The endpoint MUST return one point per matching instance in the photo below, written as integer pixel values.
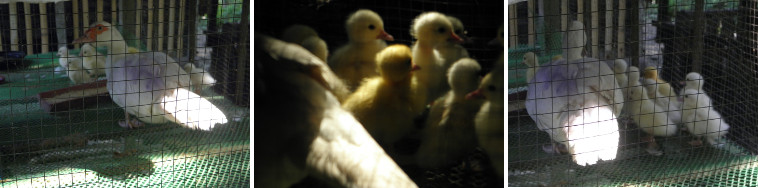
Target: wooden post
(138, 20)
(608, 28)
(697, 41)
(182, 19)
(43, 27)
(150, 37)
(595, 27)
(512, 29)
(60, 24)
(28, 24)
(192, 10)
(621, 30)
(75, 10)
(161, 21)
(171, 24)
(99, 7)
(530, 24)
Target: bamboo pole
(43, 27)
(28, 24)
(580, 10)
(621, 30)
(608, 28)
(171, 25)
(161, 22)
(99, 7)
(85, 13)
(530, 24)
(75, 10)
(182, 18)
(138, 21)
(512, 28)
(564, 15)
(595, 27)
(14, 25)
(697, 53)
(60, 23)
(150, 25)
(114, 12)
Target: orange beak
(455, 38)
(415, 68)
(89, 36)
(385, 36)
(475, 95)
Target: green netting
(76, 148)
(681, 165)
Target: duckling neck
(424, 46)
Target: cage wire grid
(481, 20)
(668, 41)
(79, 143)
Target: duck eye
(99, 27)
(371, 27)
(441, 30)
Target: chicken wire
(85, 146)
(481, 20)
(667, 41)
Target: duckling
(94, 62)
(452, 51)
(702, 120)
(73, 66)
(356, 60)
(200, 78)
(307, 38)
(650, 117)
(431, 29)
(663, 87)
(386, 104)
(489, 123)
(449, 133)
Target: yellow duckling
(386, 104)
(663, 87)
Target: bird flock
(355, 104)
(579, 100)
(149, 85)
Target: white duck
(317, 137)
(431, 29)
(449, 133)
(94, 62)
(73, 66)
(701, 119)
(150, 85)
(355, 61)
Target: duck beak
(455, 38)
(415, 68)
(385, 36)
(89, 36)
(475, 95)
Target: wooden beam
(99, 4)
(28, 24)
(512, 32)
(161, 21)
(595, 27)
(621, 30)
(74, 97)
(530, 24)
(43, 27)
(60, 23)
(171, 24)
(150, 38)
(75, 10)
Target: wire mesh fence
(61, 122)
(712, 38)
